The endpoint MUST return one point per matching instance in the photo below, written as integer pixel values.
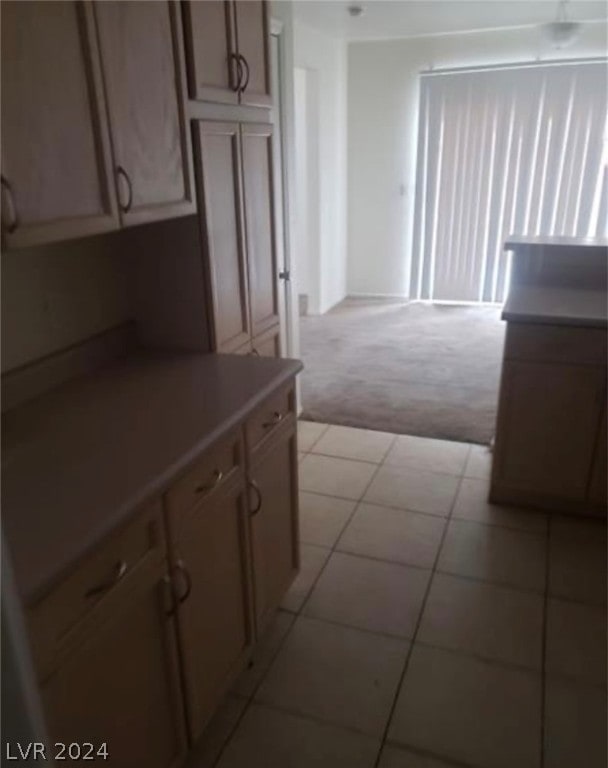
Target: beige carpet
(416, 369)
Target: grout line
(297, 614)
(416, 630)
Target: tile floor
(427, 628)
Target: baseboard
(399, 296)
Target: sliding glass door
(505, 151)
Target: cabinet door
(56, 167)
(259, 226)
(598, 484)
(121, 685)
(218, 164)
(267, 344)
(213, 73)
(141, 56)
(253, 43)
(547, 426)
(274, 520)
(215, 619)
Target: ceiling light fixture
(561, 32)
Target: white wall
(324, 58)
(383, 87)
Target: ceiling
(383, 19)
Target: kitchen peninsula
(550, 445)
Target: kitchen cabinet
(254, 51)
(260, 226)
(227, 46)
(273, 480)
(212, 61)
(110, 677)
(94, 134)
(223, 236)
(57, 177)
(210, 561)
(548, 450)
(140, 47)
(268, 344)
(598, 483)
(234, 175)
(140, 618)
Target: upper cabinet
(57, 179)
(213, 66)
(254, 52)
(94, 134)
(228, 52)
(140, 54)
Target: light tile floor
(427, 628)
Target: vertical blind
(507, 151)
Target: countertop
(556, 306)
(79, 459)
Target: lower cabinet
(136, 647)
(210, 566)
(118, 689)
(273, 490)
(550, 449)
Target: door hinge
(285, 275)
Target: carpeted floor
(416, 369)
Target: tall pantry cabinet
(229, 63)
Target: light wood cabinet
(57, 179)
(211, 53)
(140, 46)
(214, 620)
(273, 490)
(259, 226)
(253, 36)
(227, 46)
(120, 685)
(549, 443)
(598, 483)
(223, 237)
(234, 175)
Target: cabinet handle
(178, 600)
(180, 566)
(217, 479)
(13, 223)
(234, 59)
(276, 419)
(120, 171)
(255, 487)
(120, 570)
(245, 63)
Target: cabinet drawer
(206, 474)
(554, 344)
(269, 416)
(101, 579)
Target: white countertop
(557, 306)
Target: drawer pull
(258, 505)
(276, 419)
(217, 479)
(121, 569)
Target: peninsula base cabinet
(137, 646)
(550, 449)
